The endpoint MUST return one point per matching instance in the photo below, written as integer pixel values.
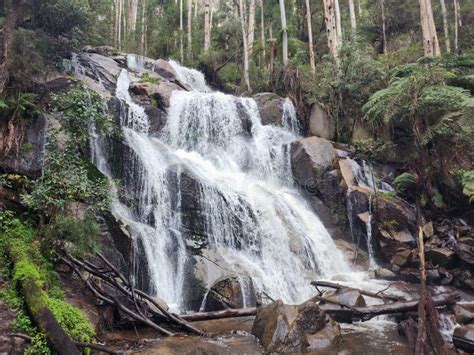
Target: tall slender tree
(207, 26)
(445, 26)
(331, 28)
(352, 15)
(456, 25)
(284, 31)
(262, 34)
(384, 26)
(310, 37)
(242, 13)
(430, 37)
(251, 25)
(190, 28)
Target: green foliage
(80, 236)
(59, 186)
(468, 184)
(147, 78)
(21, 105)
(404, 183)
(82, 108)
(72, 320)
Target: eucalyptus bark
(456, 26)
(430, 37)
(284, 31)
(262, 34)
(384, 26)
(144, 28)
(331, 28)
(310, 38)
(445, 26)
(245, 45)
(251, 26)
(190, 27)
(352, 15)
(207, 26)
(181, 31)
(338, 22)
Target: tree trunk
(331, 28)
(445, 26)
(190, 28)
(143, 37)
(285, 32)
(6, 40)
(430, 37)
(456, 26)
(422, 337)
(36, 301)
(271, 40)
(338, 22)
(207, 26)
(181, 31)
(384, 27)
(251, 26)
(310, 37)
(245, 45)
(352, 14)
(262, 35)
(196, 4)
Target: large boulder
(161, 91)
(310, 159)
(463, 338)
(464, 312)
(320, 123)
(270, 107)
(230, 292)
(465, 249)
(282, 328)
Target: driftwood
(227, 313)
(348, 315)
(344, 315)
(380, 295)
(142, 301)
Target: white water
(191, 77)
(254, 219)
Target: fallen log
(349, 315)
(227, 313)
(126, 289)
(344, 314)
(36, 302)
(379, 295)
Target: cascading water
(193, 78)
(215, 172)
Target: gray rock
(440, 256)
(310, 159)
(161, 91)
(270, 107)
(283, 328)
(384, 274)
(463, 338)
(230, 292)
(320, 123)
(464, 312)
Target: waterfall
(191, 77)
(370, 247)
(215, 175)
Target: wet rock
(270, 107)
(464, 312)
(161, 91)
(401, 257)
(283, 328)
(356, 257)
(25, 156)
(230, 292)
(310, 159)
(164, 69)
(320, 123)
(348, 297)
(465, 249)
(440, 256)
(463, 338)
(384, 274)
